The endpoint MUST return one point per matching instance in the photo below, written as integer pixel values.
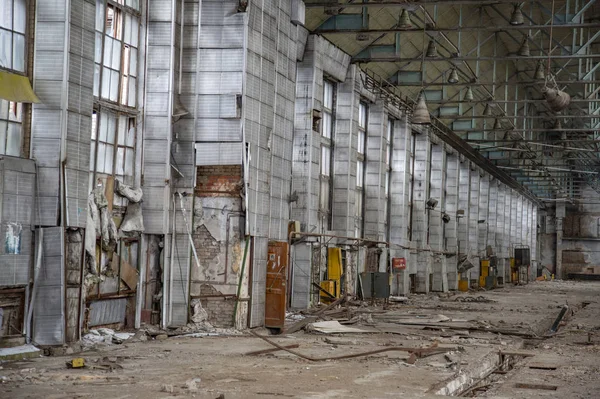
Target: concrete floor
(213, 366)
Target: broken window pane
(108, 162)
(100, 157)
(112, 125)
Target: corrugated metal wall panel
(48, 309)
(107, 312)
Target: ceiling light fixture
(431, 50)
(539, 72)
(405, 21)
(468, 94)
(524, 50)
(517, 15)
(453, 78)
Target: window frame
(327, 145)
(12, 32)
(124, 67)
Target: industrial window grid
(327, 142)
(363, 111)
(13, 26)
(115, 86)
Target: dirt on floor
(494, 344)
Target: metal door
(277, 261)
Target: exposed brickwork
(219, 181)
(207, 246)
(220, 310)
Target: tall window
(411, 179)
(13, 20)
(116, 56)
(360, 166)
(115, 87)
(326, 145)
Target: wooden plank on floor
(542, 366)
(299, 325)
(526, 385)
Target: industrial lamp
(420, 112)
(445, 218)
(524, 50)
(405, 21)
(517, 16)
(539, 72)
(497, 124)
(487, 111)
(468, 94)
(431, 50)
(453, 78)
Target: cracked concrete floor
(214, 366)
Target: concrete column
(560, 216)
(464, 200)
(473, 244)
(436, 227)
(508, 228)
(345, 155)
(375, 166)
(492, 215)
(450, 207)
(399, 196)
(484, 198)
(501, 251)
(419, 221)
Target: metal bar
(403, 3)
(482, 58)
(416, 30)
(518, 116)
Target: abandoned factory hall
(299, 198)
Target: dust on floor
(470, 328)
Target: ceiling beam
(399, 58)
(429, 29)
(402, 3)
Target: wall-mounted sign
(398, 263)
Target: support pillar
(560, 216)
(450, 228)
(420, 223)
(436, 236)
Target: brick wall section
(220, 310)
(219, 181)
(207, 246)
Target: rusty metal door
(277, 261)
